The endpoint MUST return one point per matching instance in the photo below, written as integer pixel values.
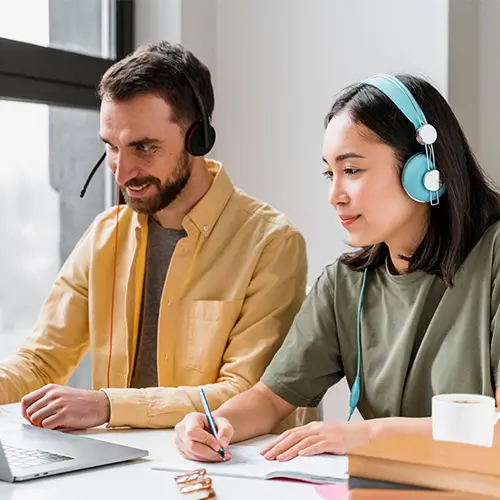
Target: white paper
(248, 462)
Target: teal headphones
(420, 179)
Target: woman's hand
(195, 442)
(318, 437)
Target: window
(29, 256)
(53, 54)
(80, 27)
(37, 71)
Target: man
(191, 283)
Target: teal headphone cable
(356, 389)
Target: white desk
(137, 481)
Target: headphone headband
(420, 178)
(201, 106)
(396, 91)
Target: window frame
(40, 74)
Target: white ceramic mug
(464, 418)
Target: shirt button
(165, 357)
(169, 303)
(206, 228)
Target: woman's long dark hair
(471, 202)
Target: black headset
(200, 137)
(199, 140)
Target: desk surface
(136, 480)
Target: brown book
(413, 495)
(423, 462)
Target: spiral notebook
(247, 462)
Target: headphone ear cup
(412, 179)
(195, 139)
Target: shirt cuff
(126, 409)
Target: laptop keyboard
(20, 457)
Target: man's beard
(167, 192)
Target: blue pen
(210, 420)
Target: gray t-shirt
(419, 337)
(161, 246)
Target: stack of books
(421, 468)
(367, 494)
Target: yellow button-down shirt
(232, 290)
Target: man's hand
(60, 407)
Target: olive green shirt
(418, 336)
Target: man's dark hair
(159, 69)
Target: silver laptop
(28, 452)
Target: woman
(413, 311)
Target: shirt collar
(206, 212)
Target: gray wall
(463, 66)
(489, 85)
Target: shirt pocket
(209, 325)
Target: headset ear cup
(412, 178)
(195, 139)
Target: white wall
(278, 64)
(157, 20)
